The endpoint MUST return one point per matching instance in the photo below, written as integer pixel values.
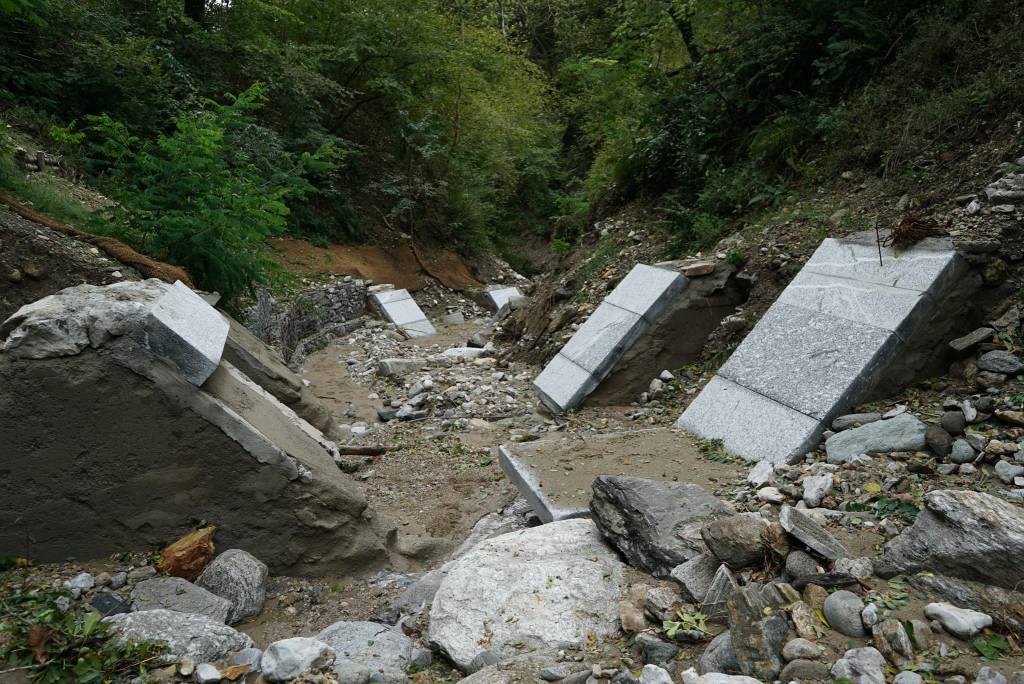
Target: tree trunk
(685, 29)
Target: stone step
(845, 322)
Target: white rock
(816, 488)
(548, 586)
(960, 622)
(652, 674)
(770, 495)
(187, 636)
(288, 658)
(691, 677)
(861, 666)
(207, 674)
(83, 581)
(907, 677)
(761, 474)
(239, 577)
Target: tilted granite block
(603, 338)
(646, 290)
(606, 335)
(843, 328)
(499, 296)
(750, 425)
(398, 307)
(807, 361)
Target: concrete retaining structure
(398, 307)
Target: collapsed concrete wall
(398, 307)
(852, 325)
(113, 439)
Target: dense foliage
(483, 121)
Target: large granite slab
(847, 322)
(806, 360)
(398, 307)
(606, 335)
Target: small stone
(83, 582)
(804, 671)
(736, 540)
(892, 641)
(652, 674)
(800, 564)
(106, 604)
(961, 452)
(816, 488)
(696, 575)
(861, 568)
(761, 474)
(842, 610)
(801, 648)
(861, 666)
(967, 469)
(1000, 361)
(722, 587)
(986, 675)
(207, 674)
(804, 620)
(964, 343)
(870, 615)
(938, 440)
(853, 420)
(1011, 417)
(908, 677)
(1007, 471)
(239, 577)
(655, 651)
(987, 380)
(953, 422)
(631, 617)
(771, 495)
(288, 658)
(960, 622)
(118, 580)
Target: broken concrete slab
(849, 324)
(555, 474)
(171, 322)
(606, 335)
(813, 535)
(398, 307)
(497, 297)
(273, 488)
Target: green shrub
(203, 196)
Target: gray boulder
(902, 433)
(239, 577)
(385, 650)
(544, 587)
(288, 658)
(964, 534)
(195, 637)
(696, 575)
(759, 629)
(174, 593)
(655, 525)
(960, 622)
(719, 656)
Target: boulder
(195, 637)
(1000, 361)
(960, 622)
(560, 582)
(719, 656)
(902, 433)
(288, 658)
(964, 534)
(174, 593)
(111, 392)
(759, 630)
(385, 650)
(736, 540)
(842, 610)
(655, 525)
(239, 577)
(696, 575)
(893, 642)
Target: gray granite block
(646, 290)
(398, 307)
(750, 425)
(856, 258)
(529, 486)
(603, 338)
(387, 296)
(499, 296)
(880, 306)
(562, 384)
(811, 362)
(187, 331)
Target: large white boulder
(549, 586)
